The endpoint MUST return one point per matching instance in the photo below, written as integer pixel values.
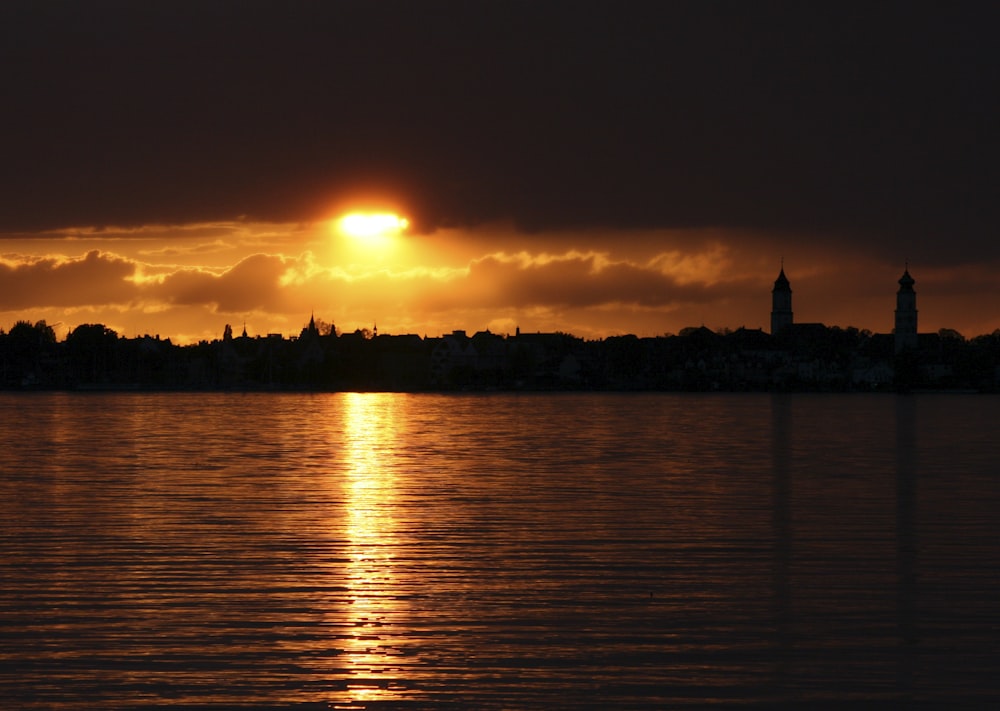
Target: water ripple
(505, 551)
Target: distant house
(451, 357)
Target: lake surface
(498, 551)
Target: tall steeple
(310, 331)
(781, 303)
(906, 312)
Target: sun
(372, 229)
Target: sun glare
(366, 226)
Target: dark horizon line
(684, 332)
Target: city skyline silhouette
(794, 356)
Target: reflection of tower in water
(781, 445)
(906, 539)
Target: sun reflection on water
(371, 430)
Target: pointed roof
(310, 331)
(906, 282)
(781, 283)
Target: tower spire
(906, 312)
(781, 302)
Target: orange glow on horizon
(187, 282)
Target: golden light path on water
(370, 432)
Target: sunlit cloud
(187, 282)
(213, 247)
(708, 266)
(254, 282)
(94, 278)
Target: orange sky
(598, 168)
(187, 282)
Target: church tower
(906, 313)
(781, 304)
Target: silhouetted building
(781, 304)
(800, 356)
(310, 331)
(906, 314)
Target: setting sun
(371, 226)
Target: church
(904, 333)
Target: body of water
(498, 551)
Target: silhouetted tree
(91, 351)
(25, 350)
(325, 328)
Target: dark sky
(862, 121)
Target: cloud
(254, 283)
(94, 278)
(591, 283)
(571, 280)
(875, 136)
(101, 279)
(215, 247)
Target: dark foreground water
(501, 551)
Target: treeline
(808, 357)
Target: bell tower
(906, 313)
(781, 303)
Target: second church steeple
(781, 303)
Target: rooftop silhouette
(793, 356)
